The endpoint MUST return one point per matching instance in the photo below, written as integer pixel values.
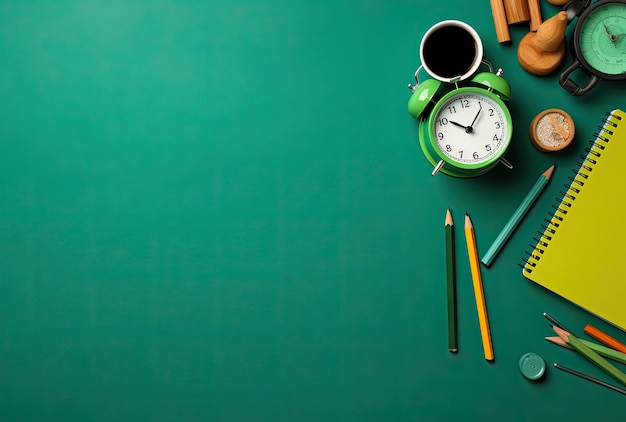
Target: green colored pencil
(580, 347)
(517, 216)
(451, 283)
(604, 351)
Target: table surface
(220, 211)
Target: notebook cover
(582, 254)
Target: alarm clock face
(470, 128)
(601, 38)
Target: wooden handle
(534, 10)
(551, 33)
(516, 11)
(499, 21)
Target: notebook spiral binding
(564, 202)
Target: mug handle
(571, 86)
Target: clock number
(442, 122)
(491, 112)
(497, 125)
(496, 139)
(476, 156)
(460, 154)
(448, 148)
(440, 135)
(452, 109)
(487, 147)
(464, 103)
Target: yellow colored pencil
(479, 294)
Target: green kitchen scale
(599, 45)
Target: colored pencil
(606, 352)
(592, 356)
(588, 378)
(517, 216)
(555, 322)
(479, 294)
(451, 283)
(604, 338)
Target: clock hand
(458, 124)
(471, 127)
(612, 37)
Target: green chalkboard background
(219, 211)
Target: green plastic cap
(532, 366)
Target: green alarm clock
(467, 131)
(599, 45)
(464, 125)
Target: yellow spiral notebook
(581, 254)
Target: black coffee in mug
(449, 51)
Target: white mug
(451, 51)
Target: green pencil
(580, 347)
(517, 216)
(606, 352)
(451, 283)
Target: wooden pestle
(541, 52)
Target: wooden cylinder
(534, 11)
(499, 20)
(516, 11)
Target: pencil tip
(468, 221)
(561, 332)
(548, 173)
(449, 220)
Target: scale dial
(470, 128)
(602, 38)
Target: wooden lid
(551, 130)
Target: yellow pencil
(481, 306)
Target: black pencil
(588, 378)
(555, 322)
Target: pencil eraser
(532, 366)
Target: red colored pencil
(604, 338)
